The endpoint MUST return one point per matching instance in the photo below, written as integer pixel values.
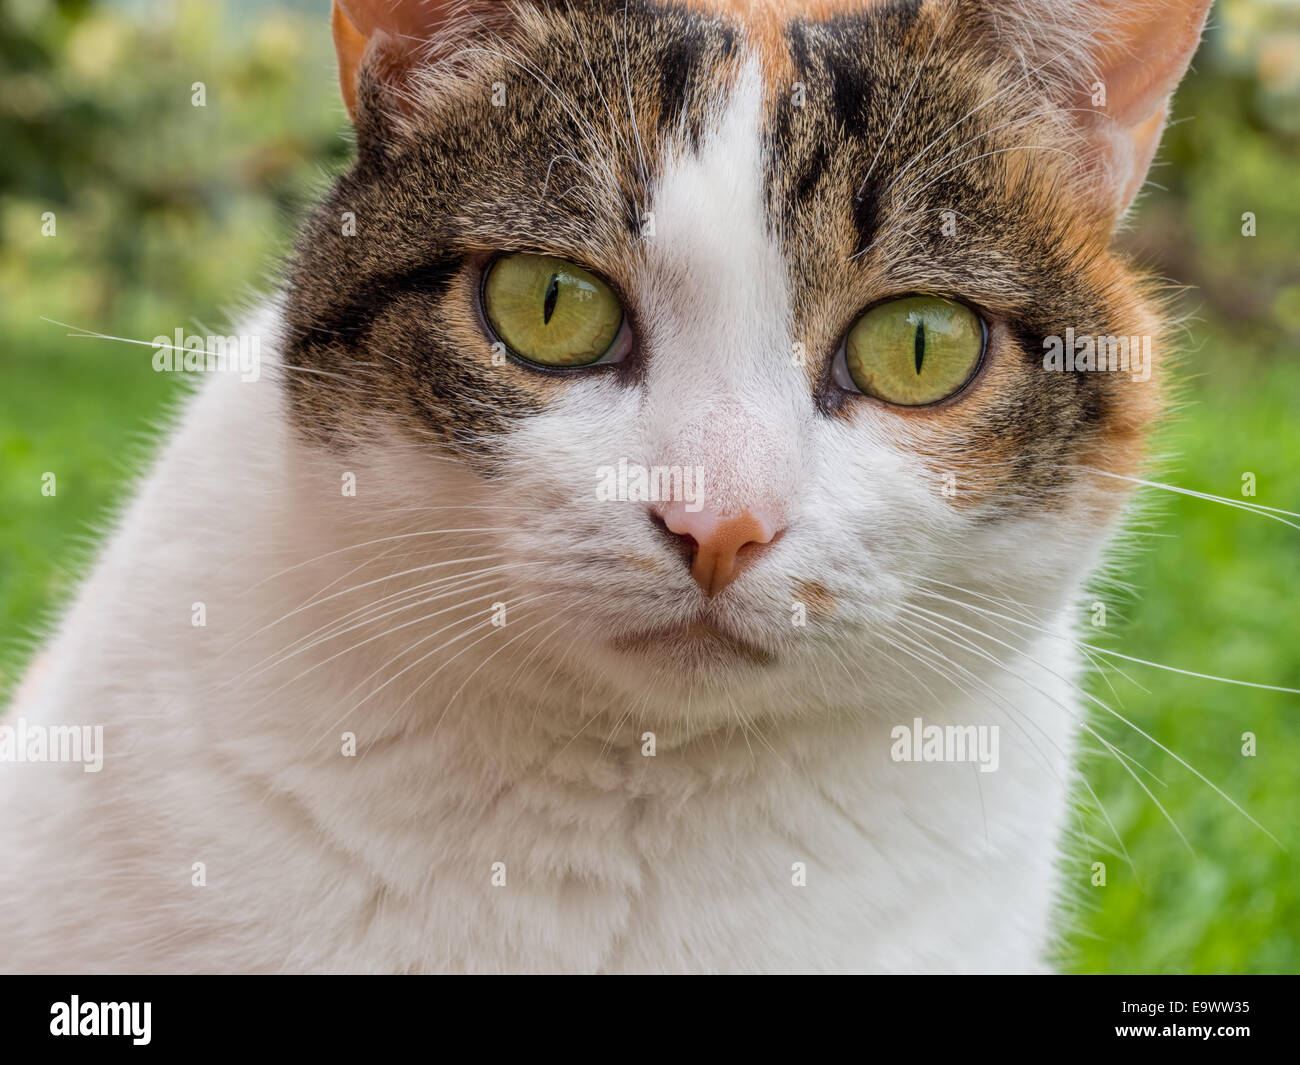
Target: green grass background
(169, 215)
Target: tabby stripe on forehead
(830, 60)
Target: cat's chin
(696, 646)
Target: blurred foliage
(165, 214)
(1214, 588)
(1232, 148)
(169, 215)
(154, 198)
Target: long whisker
(1241, 504)
(1110, 710)
(443, 585)
(1082, 723)
(285, 654)
(1099, 650)
(315, 601)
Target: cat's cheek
(1013, 440)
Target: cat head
(743, 323)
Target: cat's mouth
(693, 642)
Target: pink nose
(720, 545)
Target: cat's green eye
(913, 351)
(552, 312)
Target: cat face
(809, 265)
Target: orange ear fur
(350, 45)
(1143, 50)
(408, 23)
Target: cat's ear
(1116, 64)
(1144, 49)
(383, 39)
(383, 44)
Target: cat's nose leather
(720, 545)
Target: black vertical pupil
(552, 295)
(918, 345)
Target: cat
(388, 684)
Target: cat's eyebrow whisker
(601, 154)
(985, 155)
(593, 199)
(920, 69)
(546, 180)
(1020, 119)
(985, 103)
(595, 81)
(631, 109)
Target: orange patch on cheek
(815, 596)
(1133, 406)
(642, 562)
